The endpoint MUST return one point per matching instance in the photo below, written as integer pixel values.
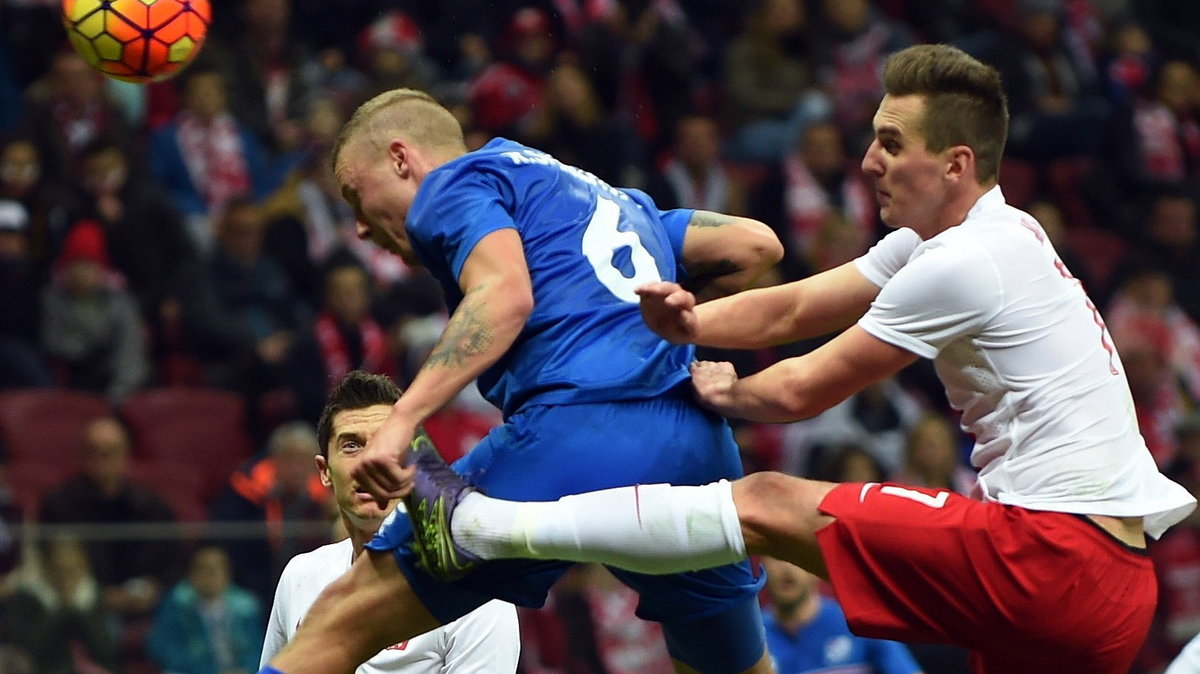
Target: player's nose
(871, 163)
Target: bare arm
(801, 387)
(724, 254)
(497, 300)
(761, 317)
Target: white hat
(13, 216)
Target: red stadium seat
(30, 479)
(46, 425)
(200, 430)
(185, 487)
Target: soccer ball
(137, 40)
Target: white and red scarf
(215, 158)
(335, 355)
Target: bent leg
(368, 609)
(780, 516)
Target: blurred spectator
(12, 521)
(505, 95)
(815, 192)
(849, 463)
(392, 51)
(693, 176)
(69, 109)
(344, 337)
(1157, 397)
(59, 618)
(1177, 560)
(46, 200)
(1130, 62)
(206, 624)
(769, 79)
(807, 632)
(933, 457)
(131, 570)
(282, 493)
(878, 419)
(571, 125)
(21, 281)
(239, 309)
(1145, 300)
(857, 40)
(309, 219)
(1156, 138)
(147, 242)
(91, 328)
(261, 64)
(1052, 89)
(1171, 237)
(206, 157)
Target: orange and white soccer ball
(137, 40)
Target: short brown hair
(413, 113)
(357, 390)
(964, 101)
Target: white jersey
(484, 640)
(1027, 360)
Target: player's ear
(960, 163)
(398, 153)
(323, 470)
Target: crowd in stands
(190, 235)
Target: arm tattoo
(707, 219)
(467, 334)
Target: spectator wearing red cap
(91, 327)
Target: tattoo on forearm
(701, 274)
(467, 334)
(708, 219)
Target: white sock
(656, 528)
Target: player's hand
(669, 310)
(383, 469)
(713, 383)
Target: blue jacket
(180, 642)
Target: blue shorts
(543, 453)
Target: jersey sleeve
(939, 296)
(675, 222)
(888, 256)
(277, 633)
(485, 640)
(465, 208)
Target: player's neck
(960, 204)
(361, 532)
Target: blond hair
(964, 101)
(410, 113)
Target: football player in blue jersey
(538, 261)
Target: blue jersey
(587, 245)
(826, 646)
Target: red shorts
(1026, 591)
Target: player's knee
(774, 508)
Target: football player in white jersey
(1046, 570)
(485, 640)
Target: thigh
(710, 618)
(368, 609)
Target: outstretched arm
(497, 300)
(801, 387)
(760, 317)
